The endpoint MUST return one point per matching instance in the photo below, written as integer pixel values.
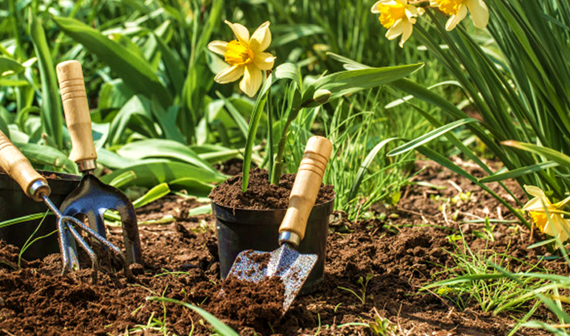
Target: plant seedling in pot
(286, 262)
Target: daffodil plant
(246, 56)
(399, 16)
(515, 76)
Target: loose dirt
(260, 193)
(409, 248)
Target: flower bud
(321, 96)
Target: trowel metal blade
(286, 263)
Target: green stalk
(278, 164)
(18, 52)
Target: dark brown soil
(251, 304)
(231, 167)
(260, 193)
(400, 254)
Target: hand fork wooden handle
(77, 117)
(15, 164)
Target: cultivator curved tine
(92, 198)
(103, 241)
(84, 245)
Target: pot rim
(270, 210)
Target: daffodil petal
(455, 19)
(396, 30)
(218, 47)
(562, 203)
(408, 27)
(261, 38)
(534, 191)
(240, 31)
(375, 7)
(535, 204)
(479, 13)
(411, 11)
(230, 74)
(264, 61)
(251, 81)
(557, 226)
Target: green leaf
(548, 153)
(24, 219)
(159, 148)
(150, 173)
(45, 155)
(113, 160)
(238, 118)
(135, 114)
(429, 136)
(216, 154)
(519, 172)
(152, 195)
(292, 33)
(218, 325)
(192, 186)
(135, 71)
(51, 115)
(351, 81)
(8, 64)
(201, 210)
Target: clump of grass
(475, 281)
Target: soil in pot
(260, 193)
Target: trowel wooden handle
(76, 109)
(15, 164)
(307, 185)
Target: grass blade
(218, 325)
(429, 136)
(519, 172)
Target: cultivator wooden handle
(306, 186)
(77, 117)
(15, 164)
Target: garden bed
(401, 253)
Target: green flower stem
(278, 164)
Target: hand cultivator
(286, 262)
(15, 164)
(92, 198)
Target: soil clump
(260, 193)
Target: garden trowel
(286, 262)
(92, 197)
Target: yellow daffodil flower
(245, 56)
(398, 17)
(546, 215)
(457, 10)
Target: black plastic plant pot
(245, 229)
(14, 203)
